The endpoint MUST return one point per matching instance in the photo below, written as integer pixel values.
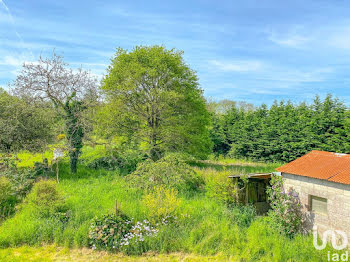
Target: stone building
(322, 180)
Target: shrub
(7, 198)
(286, 213)
(126, 161)
(15, 184)
(106, 162)
(108, 231)
(5, 190)
(46, 198)
(162, 203)
(22, 180)
(133, 243)
(170, 171)
(42, 169)
(219, 186)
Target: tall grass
(207, 226)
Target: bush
(14, 185)
(22, 180)
(161, 203)
(219, 186)
(108, 231)
(134, 242)
(7, 198)
(46, 198)
(42, 169)
(170, 171)
(286, 215)
(6, 190)
(126, 161)
(106, 162)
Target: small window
(318, 205)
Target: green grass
(209, 229)
(236, 166)
(27, 159)
(54, 253)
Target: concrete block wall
(338, 202)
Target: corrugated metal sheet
(323, 165)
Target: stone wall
(338, 202)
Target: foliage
(5, 190)
(170, 171)
(242, 215)
(286, 215)
(74, 130)
(219, 186)
(70, 91)
(108, 231)
(41, 169)
(24, 124)
(7, 197)
(46, 198)
(282, 132)
(125, 160)
(16, 183)
(154, 98)
(21, 181)
(220, 112)
(133, 243)
(205, 227)
(162, 202)
(106, 162)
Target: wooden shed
(254, 191)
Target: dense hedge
(284, 131)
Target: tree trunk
(155, 152)
(74, 155)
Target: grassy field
(211, 230)
(54, 253)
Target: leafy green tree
(154, 98)
(72, 92)
(24, 125)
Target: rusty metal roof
(323, 165)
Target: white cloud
(16, 61)
(12, 61)
(289, 75)
(237, 66)
(291, 40)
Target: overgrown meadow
(205, 224)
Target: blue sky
(255, 51)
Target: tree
(71, 92)
(24, 124)
(154, 98)
(225, 114)
(286, 131)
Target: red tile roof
(323, 165)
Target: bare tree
(71, 92)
